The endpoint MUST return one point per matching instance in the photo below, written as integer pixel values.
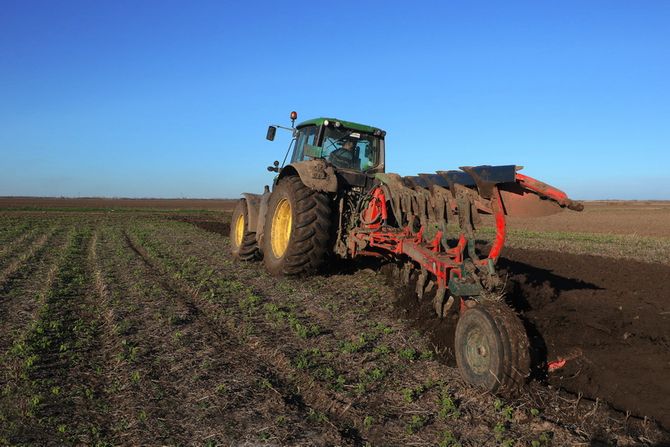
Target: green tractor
(295, 228)
(334, 199)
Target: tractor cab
(345, 145)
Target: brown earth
(610, 319)
(642, 218)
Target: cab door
(306, 135)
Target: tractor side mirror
(272, 130)
(274, 168)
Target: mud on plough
(451, 198)
(394, 225)
(335, 198)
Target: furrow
(136, 347)
(127, 407)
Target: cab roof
(347, 124)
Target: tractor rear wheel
(492, 349)
(297, 228)
(242, 241)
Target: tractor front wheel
(242, 241)
(492, 349)
(297, 228)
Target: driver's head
(348, 145)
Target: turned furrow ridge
(128, 323)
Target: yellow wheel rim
(281, 228)
(239, 230)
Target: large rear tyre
(242, 241)
(492, 349)
(297, 229)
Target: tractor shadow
(528, 288)
(336, 266)
(205, 223)
(533, 287)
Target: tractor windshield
(349, 149)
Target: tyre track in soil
(143, 361)
(35, 247)
(24, 292)
(298, 389)
(161, 390)
(116, 376)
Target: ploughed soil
(215, 226)
(609, 319)
(601, 325)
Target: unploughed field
(127, 323)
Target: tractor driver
(344, 157)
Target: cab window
(306, 135)
(348, 149)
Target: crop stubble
(176, 343)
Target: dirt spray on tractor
(335, 198)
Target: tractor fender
(257, 205)
(262, 211)
(253, 202)
(314, 174)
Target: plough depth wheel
(492, 349)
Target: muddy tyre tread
(517, 370)
(513, 345)
(248, 249)
(311, 234)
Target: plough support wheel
(492, 349)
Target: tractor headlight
(326, 122)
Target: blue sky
(173, 98)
